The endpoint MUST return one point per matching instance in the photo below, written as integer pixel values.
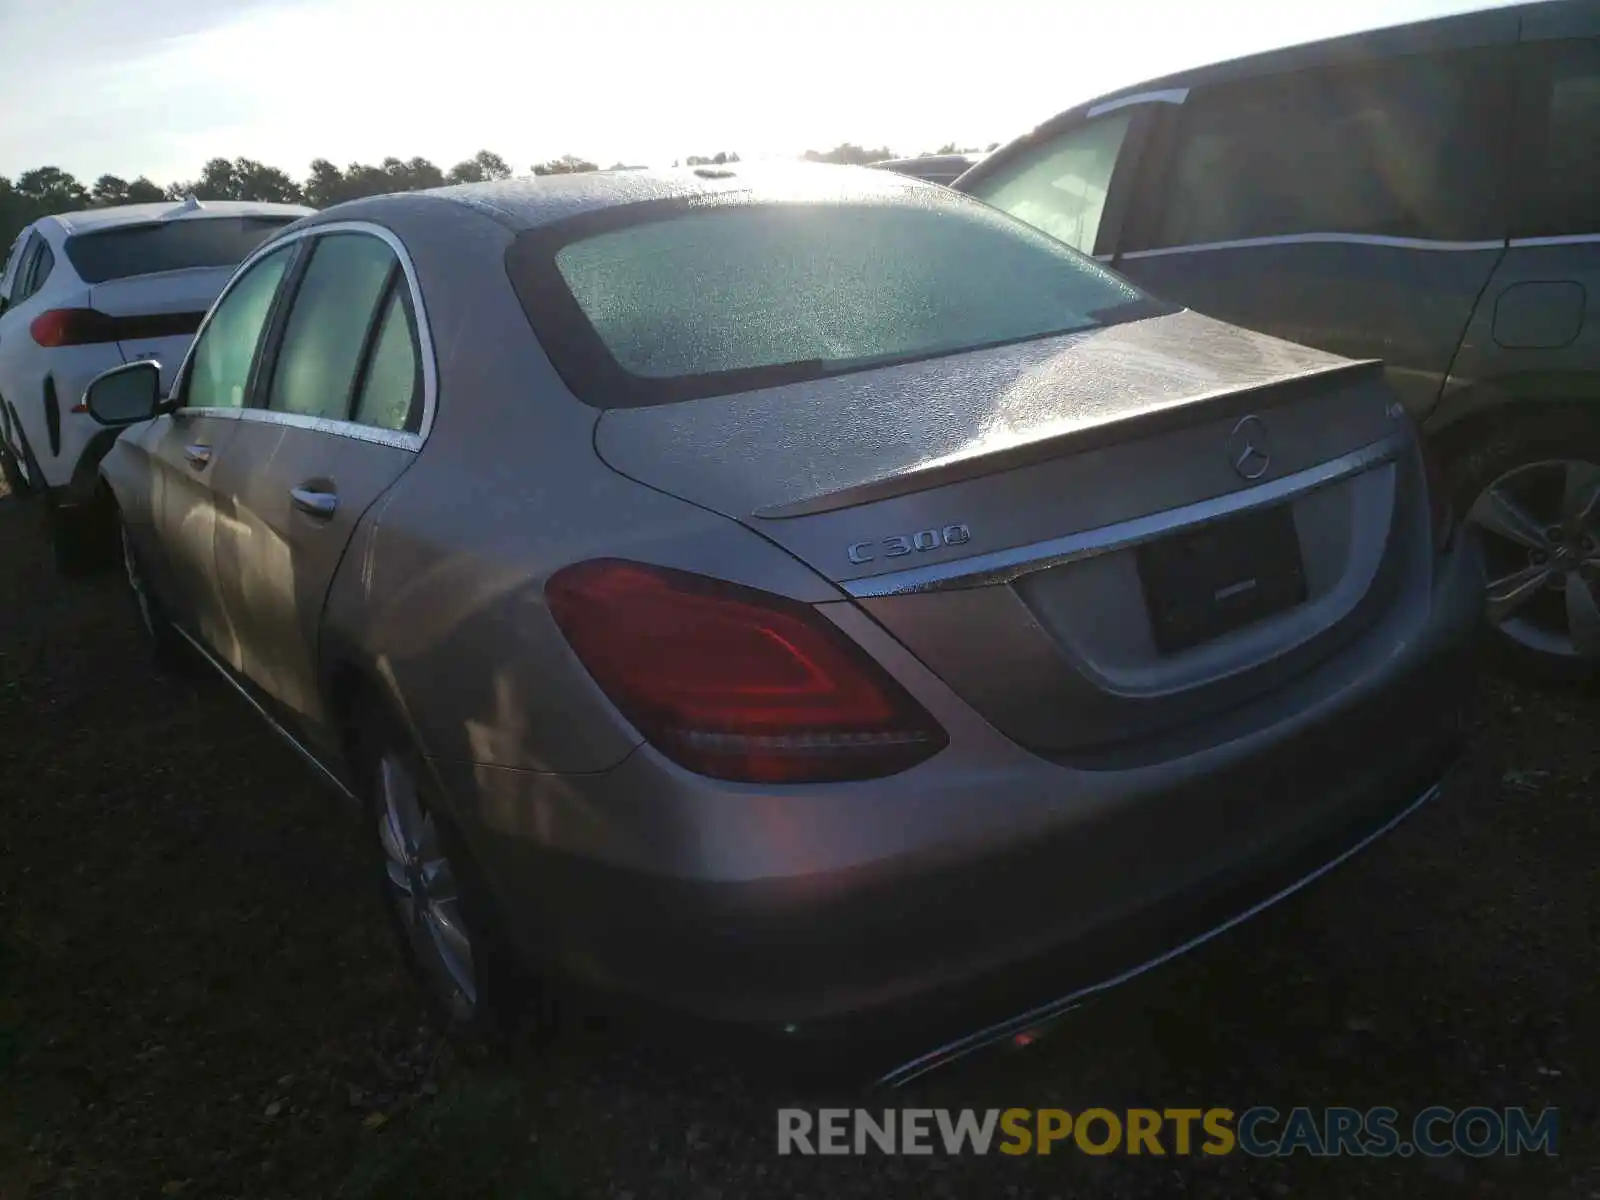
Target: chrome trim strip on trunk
(973, 1042)
(1005, 566)
(293, 741)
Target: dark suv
(1428, 195)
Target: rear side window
(219, 368)
(1560, 138)
(44, 262)
(22, 274)
(168, 246)
(11, 277)
(1061, 187)
(1406, 148)
(711, 300)
(326, 332)
(389, 396)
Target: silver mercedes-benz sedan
(802, 599)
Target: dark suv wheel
(83, 538)
(1533, 494)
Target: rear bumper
(1012, 891)
(1159, 937)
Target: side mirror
(125, 395)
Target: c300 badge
(911, 543)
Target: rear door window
(1061, 187)
(1559, 133)
(326, 333)
(12, 275)
(175, 245)
(22, 269)
(1409, 147)
(43, 263)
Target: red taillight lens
(72, 327)
(735, 683)
(1441, 513)
(85, 326)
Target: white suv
(84, 291)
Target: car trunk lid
(993, 510)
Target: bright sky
(155, 87)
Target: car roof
(1478, 27)
(531, 201)
(93, 220)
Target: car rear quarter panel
(439, 601)
(1534, 338)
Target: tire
(16, 484)
(85, 539)
(169, 653)
(10, 466)
(454, 945)
(1532, 492)
(29, 480)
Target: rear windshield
(169, 246)
(707, 301)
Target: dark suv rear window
(708, 300)
(168, 246)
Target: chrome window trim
(1007, 566)
(350, 429)
(399, 439)
(1165, 96)
(1314, 239)
(1565, 239)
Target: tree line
(45, 190)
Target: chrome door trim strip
(1165, 96)
(1006, 566)
(961, 1047)
(294, 742)
(1320, 239)
(425, 344)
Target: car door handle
(198, 455)
(318, 504)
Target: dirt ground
(198, 996)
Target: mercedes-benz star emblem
(1249, 448)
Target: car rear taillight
(85, 326)
(736, 683)
(1441, 513)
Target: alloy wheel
(423, 890)
(1541, 526)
